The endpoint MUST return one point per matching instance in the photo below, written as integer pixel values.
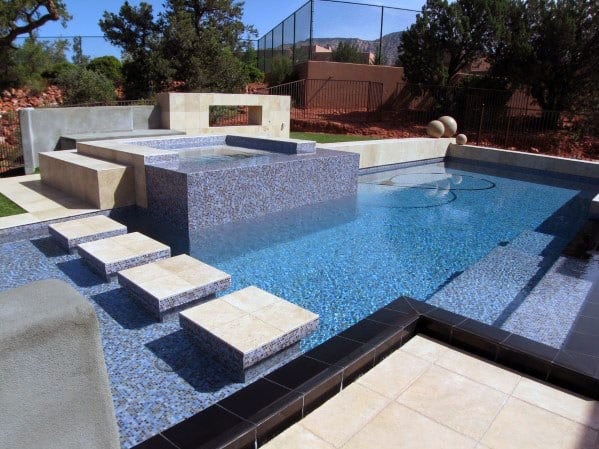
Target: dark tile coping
(261, 410)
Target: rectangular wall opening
(241, 115)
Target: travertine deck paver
(428, 395)
(247, 326)
(113, 254)
(169, 284)
(74, 232)
(41, 202)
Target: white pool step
(556, 300)
(71, 233)
(248, 331)
(167, 285)
(113, 254)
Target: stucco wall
(41, 128)
(54, 386)
(386, 75)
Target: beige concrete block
(250, 299)
(478, 370)
(285, 316)
(576, 408)
(454, 401)
(424, 348)
(213, 314)
(522, 425)
(397, 427)
(394, 374)
(345, 414)
(246, 333)
(297, 437)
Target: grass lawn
(329, 138)
(7, 207)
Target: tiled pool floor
(427, 395)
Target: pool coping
(264, 408)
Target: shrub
(56, 71)
(109, 66)
(281, 70)
(346, 52)
(86, 86)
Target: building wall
(388, 76)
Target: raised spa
(221, 179)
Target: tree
(552, 51)
(109, 66)
(138, 34)
(202, 38)
(346, 52)
(78, 57)
(446, 38)
(19, 17)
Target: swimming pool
(407, 232)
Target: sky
(331, 19)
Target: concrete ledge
(374, 153)
(279, 145)
(54, 385)
(69, 142)
(553, 164)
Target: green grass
(7, 207)
(329, 138)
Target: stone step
(113, 254)
(555, 302)
(486, 289)
(168, 285)
(101, 183)
(538, 243)
(249, 331)
(71, 233)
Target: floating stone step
(167, 285)
(249, 331)
(71, 233)
(113, 254)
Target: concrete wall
(190, 112)
(553, 164)
(41, 128)
(322, 70)
(54, 386)
(374, 153)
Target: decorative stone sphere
(451, 126)
(461, 139)
(435, 128)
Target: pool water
(197, 157)
(408, 232)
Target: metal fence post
(311, 29)
(480, 123)
(380, 55)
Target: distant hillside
(389, 47)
